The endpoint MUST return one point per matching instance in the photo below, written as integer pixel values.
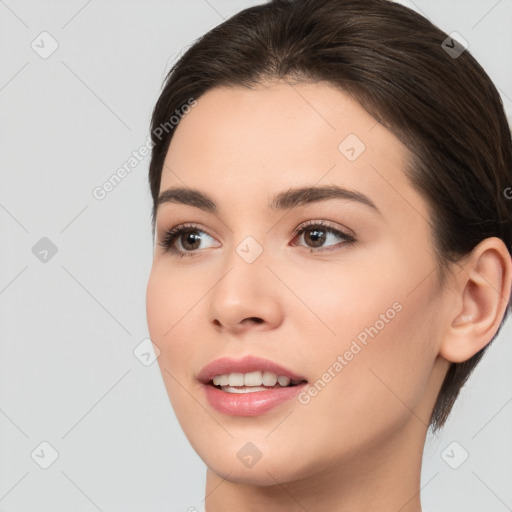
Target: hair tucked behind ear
(392, 60)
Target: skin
(357, 444)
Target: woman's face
(350, 304)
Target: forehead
(242, 144)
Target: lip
(247, 404)
(245, 365)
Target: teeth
(236, 379)
(283, 381)
(256, 379)
(253, 379)
(243, 390)
(269, 379)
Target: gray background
(69, 325)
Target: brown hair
(393, 61)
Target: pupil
(317, 239)
(191, 236)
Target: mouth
(248, 386)
(252, 382)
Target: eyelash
(172, 234)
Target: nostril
(255, 319)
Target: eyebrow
(283, 201)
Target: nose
(247, 297)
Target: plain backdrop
(74, 268)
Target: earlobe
(483, 286)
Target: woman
(333, 228)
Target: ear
(482, 293)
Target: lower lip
(249, 404)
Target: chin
(264, 473)
(278, 463)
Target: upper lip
(247, 364)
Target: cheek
(339, 300)
(169, 307)
(376, 351)
(155, 306)
(384, 369)
(169, 310)
(171, 295)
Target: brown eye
(189, 238)
(316, 234)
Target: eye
(317, 233)
(188, 236)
